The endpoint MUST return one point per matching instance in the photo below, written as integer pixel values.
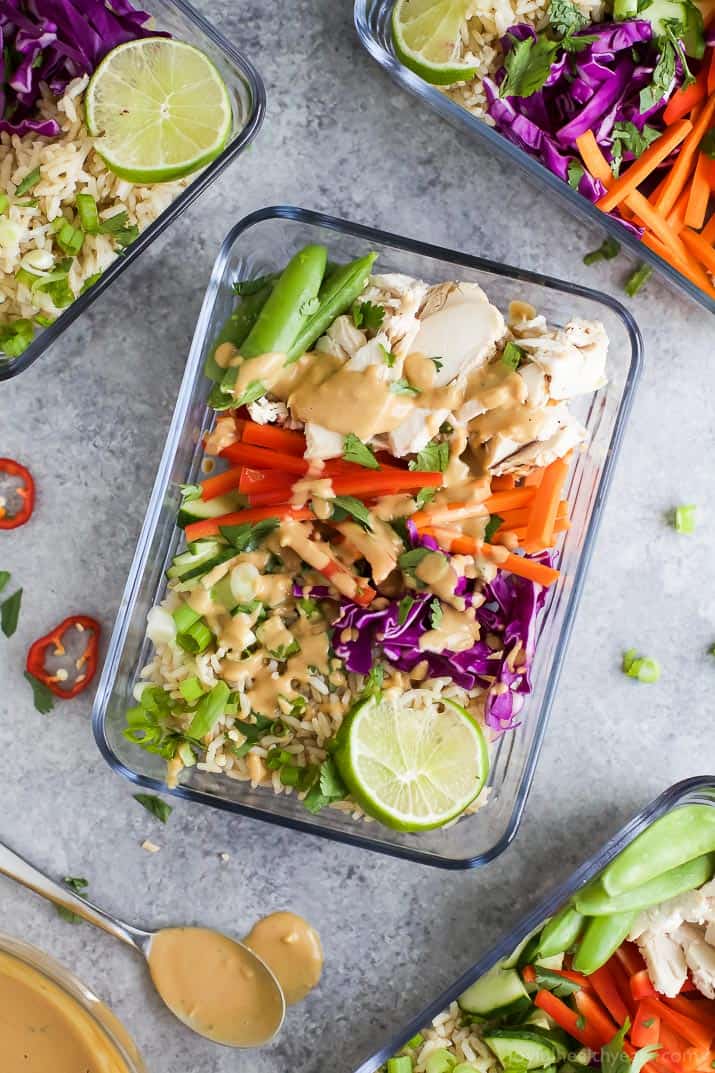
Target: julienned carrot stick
(711, 74)
(545, 505)
(641, 168)
(630, 958)
(517, 519)
(221, 483)
(684, 100)
(699, 195)
(699, 248)
(448, 513)
(593, 158)
(513, 564)
(503, 484)
(697, 1009)
(365, 484)
(211, 526)
(264, 480)
(689, 268)
(676, 218)
(708, 232)
(519, 497)
(280, 439)
(683, 165)
(568, 1019)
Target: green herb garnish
(161, 809)
(388, 357)
(512, 356)
(354, 450)
(41, 695)
(248, 537)
(31, 180)
(10, 613)
(436, 614)
(637, 280)
(327, 787)
(434, 458)
(527, 65)
(349, 505)
(403, 609)
(368, 315)
(77, 884)
(575, 174)
(492, 525)
(401, 387)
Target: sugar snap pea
(593, 900)
(337, 294)
(289, 305)
(674, 839)
(561, 932)
(237, 327)
(601, 937)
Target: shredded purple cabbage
(589, 90)
(52, 42)
(510, 613)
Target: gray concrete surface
(90, 420)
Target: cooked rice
(69, 165)
(486, 23)
(451, 1031)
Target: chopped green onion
(492, 525)
(684, 518)
(59, 292)
(643, 668)
(88, 215)
(113, 223)
(16, 337)
(637, 280)
(608, 249)
(90, 282)
(70, 239)
(512, 356)
(31, 179)
(30, 203)
(209, 711)
(277, 758)
(27, 279)
(43, 320)
(184, 617)
(440, 1062)
(191, 689)
(290, 775)
(126, 235)
(4, 204)
(401, 1064)
(57, 224)
(196, 639)
(416, 1041)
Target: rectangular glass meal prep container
(248, 98)
(264, 242)
(372, 21)
(700, 790)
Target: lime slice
(411, 768)
(427, 38)
(159, 108)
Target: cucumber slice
(661, 12)
(539, 1019)
(198, 509)
(198, 559)
(556, 1039)
(512, 960)
(554, 962)
(498, 994)
(523, 1044)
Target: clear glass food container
(110, 1028)
(372, 21)
(263, 242)
(248, 98)
(699, 790)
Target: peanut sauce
(290, 946)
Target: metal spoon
(15, 867)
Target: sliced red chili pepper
(26, 491)
(53, 644)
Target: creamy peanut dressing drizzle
(440, 577)
(43, 1028)
(457, 631)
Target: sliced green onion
(126, 235)
(401, 1064)
(16, 337)
(44, 320)
(59, 292)
(57, 224)
(196, 639)
(416, 1041)
(209, 711)
(637, 280)
(184, 617)
(88, 214)
(277, 758)
(290, 775)
(186, 754)
(70, 239)
(644, 668)
(191, 689)
(31, 179)
(28, 279)
(4, 204)
(440, 1062)
(684, 518)
(90, 282)
(512, 356)
(608, 249)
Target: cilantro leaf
(627, 138)
(77, 884)
(10, 613)
(328, 786)
(424, 496)
(410, 560)
(527, 66)
(42, 697)
(255, 390)
(308, 606)
(4, 578)
(161, 809)
(373, 683)
(578, 44)
(403, 609)
(354, 450)
(349, 505)
(436, 614)
(613, 1060)
(575, 174)
(401, 387)
(387, 356)
(491, 527)
(663, 76)
(553, 981)
(368, 315)
(247, 537)
(434, 458)
(565, 18)
(438, 363)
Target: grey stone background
(90, 419)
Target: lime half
(159, 108)
(411, 768)
(427, 35)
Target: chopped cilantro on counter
(161, 809)
(10, 613)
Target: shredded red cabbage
(510, 613)
(588, 90)
(52, 42)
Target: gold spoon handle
(17, 868)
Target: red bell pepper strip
(209, 527)
(630, 957)
(698, 1009)
(279, 439)
(569, 1020)
(26, 491)
(606, 987)
(646, 1027)
(693, 1031)
(222, 483)
(623, 983)
(595, 1015)
(53, 643)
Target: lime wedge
(411, 768)
(427, 38)
(159, 108)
